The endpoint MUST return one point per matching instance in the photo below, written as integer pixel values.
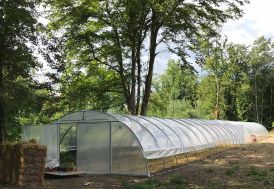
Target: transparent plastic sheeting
(167, 137)
(106, 147)
(93, 147)
(46, 135)
(113, 143)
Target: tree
(261, 78)
(17, 28)
(174, 91)
(118, 34)
(94, 89)
(239, 79)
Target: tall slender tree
(17, 29)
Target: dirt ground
(249, 166)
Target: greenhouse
(96, 142)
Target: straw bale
(22, 163)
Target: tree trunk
(256, 99)
(121, 72)
(217, 108)
(2, 106)
(262, 108)
(271, 101)
(133, 81)
(139, 67)
(152, 55)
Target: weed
(253, 171)
(269, 180)
(232, 170)
(214, 184)
(148, 184)
(209, 170)
(177, 179)
(257, 178)
(272, 168)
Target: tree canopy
(17, 34)
(119, 33)
(237, 84)
(102, 55)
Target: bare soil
(248, 166)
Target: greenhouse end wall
(108, 147)
(98, 142)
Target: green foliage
(237, 80)
(210, 171)
(18, 34)
(269, 180)
(175, 182)
(174, 92)
(96, 88)
(261, 175)
(148, 184)
(68, 160)
(232, 170)
(255, 171)
(97, 49)
(177, 179)
(114, 34)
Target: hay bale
(22, 163)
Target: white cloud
(256, 22)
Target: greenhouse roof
(162, 137)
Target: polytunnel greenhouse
(96, 142)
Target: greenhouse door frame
(59, 138)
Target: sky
(257, 21)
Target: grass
(253, 171)
(261, 175)
(178, 179)
(148, 184)
(209, 171)
(269, 180)
(231, 171)
(174, 182)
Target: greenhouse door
(93, 147)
